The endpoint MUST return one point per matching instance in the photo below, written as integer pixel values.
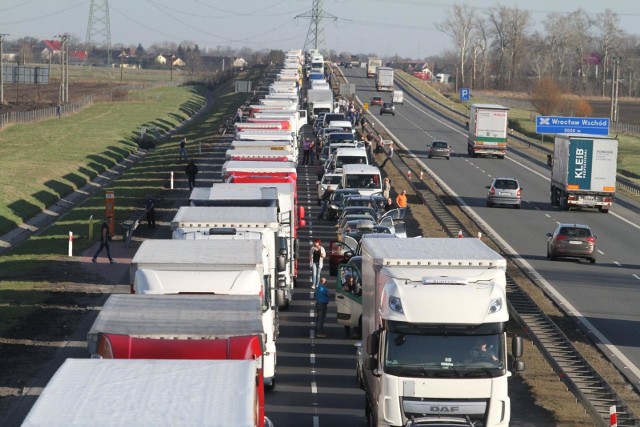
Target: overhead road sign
(572, 125)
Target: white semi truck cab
(434, 322)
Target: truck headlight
(395, 304)
(495, 305)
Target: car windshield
(444, 355)
(332, 179)
(506, 184)
(363, 181)
(350, 160)
(339, 137)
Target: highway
(604, 296)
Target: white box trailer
(290, 214)
(178, 317)
(430, 307)
(107, 393)
(223, 266)
(584, 171)
(487, 134)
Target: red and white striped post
(71, 243)
(479, 234)
(613, 417)
(421, 175)
(459, 233)
(171, 181)
(409, 175)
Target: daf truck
(434, 317)
(487, 133)
(583, 172)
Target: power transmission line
(315, 34)
(99, 27)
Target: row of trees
(497, 49)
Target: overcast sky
(384, 27)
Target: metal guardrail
(621, 182)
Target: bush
(546, 97)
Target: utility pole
(2, 36)
(64, 68)
(615, 89)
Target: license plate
(503, 194)
(575, 242)
(589, 199)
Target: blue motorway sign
(465, 94)
(572, 125)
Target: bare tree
(608, 38)
(579, 39)
(479, 52)
(509, 27)
(540, 62)
(458, 25)
(517, 23)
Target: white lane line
(312, 333)
(547, 215)
(312, 358)
(314, 388)
(636, 276)
(312, 313)
(617, 263)
(600, 252)
(316, 421)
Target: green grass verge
(523, 122)
(44, 162)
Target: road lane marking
(600, 252)
(617, 263)
(312, 358)
(314, 387)
(636, 276)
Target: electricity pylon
(315, 34)
(99, 27)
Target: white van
(348, 156)
(364, 178)
(398, 97)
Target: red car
(376, 100)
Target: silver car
(504, 191)
(439, 149)
(572, 240)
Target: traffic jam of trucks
(203, 313)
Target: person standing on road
(325, 201)
(322, 301)
(105, 237)
(305, 151)
(191, 170)
(386, 187)
(316, 257)
(401, 200)
(150, 210)
(390, 151)
(183, 148)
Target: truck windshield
(437, 356)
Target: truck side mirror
(282, 262)
(517, 347)
(373, 342)
(518, 366)
(371, 363)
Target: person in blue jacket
(322, 301)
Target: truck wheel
(501, 157)
(603, 209)
(270, 385)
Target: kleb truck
(430, 307)
(384, 79)
(222, 266)
(584, 170)
(487, 130)
(204, 327)
(105, 393)
(372, 65)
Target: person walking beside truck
(305, 151)
(183, 149)
(191, 170)
(316, 257)
(322, 301)
(150, 210)
(105, 237)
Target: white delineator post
(613, 417)
(71, 243)
(171, 181)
